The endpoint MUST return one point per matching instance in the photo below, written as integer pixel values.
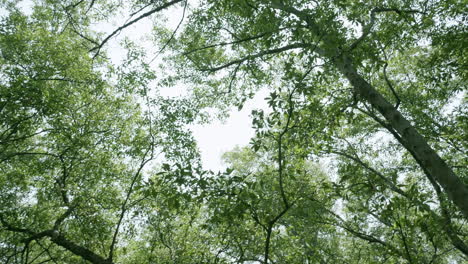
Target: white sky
(219, 137)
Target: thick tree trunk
(77, 249)
(431, 162)
(427, 158)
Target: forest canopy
(360, 156)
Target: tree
(343, 83)
(301, 33)
(97, 167)
(247, 205)
(74, 143)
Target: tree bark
(77, 249)
(59, 240)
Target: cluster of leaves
(75, 137)
(96, 166)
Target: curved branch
(119, 29)
(368, 28)
(257, 55)
(387, 80)
(238, 41)
(342, 223)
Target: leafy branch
(367, 29)
(57, 239)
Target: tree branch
(387, 81)
(173, 33)
(368, 28)
(59, 240)
(238, 41)
(258, 55)
(144, 15)
(127, 199)
(444, 221)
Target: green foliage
(96, 166)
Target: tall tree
(97, 167)
(348, 43)
(76, 137)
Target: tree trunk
(431, 162)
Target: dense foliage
(361, 156)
